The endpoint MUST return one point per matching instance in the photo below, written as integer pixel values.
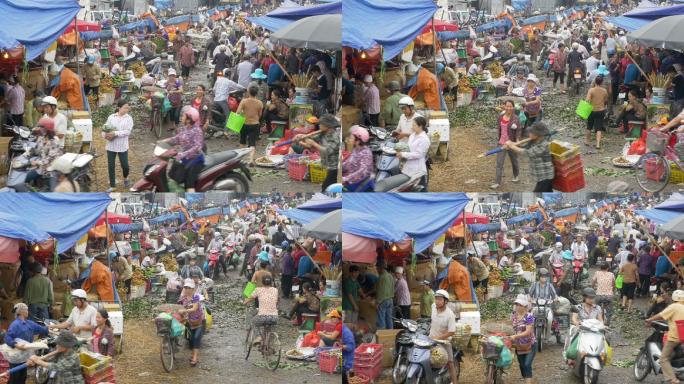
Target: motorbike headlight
(423, 343)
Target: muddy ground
(142, 142)
(473, 131)
(222, 355)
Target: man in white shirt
(81, 321)
(622, 40)
(593, 62)
(405, 124)
(222, 89)
(611, 44)
(61, 121)
(621, 257)
(244, 70)
(443, 327)
(579, 249)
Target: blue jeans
(525, 362)
(385, 309)
(38, 312)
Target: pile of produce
(106, 84)
(138, 69)
(527, 263)
(463, 85)
(140, 276)
(438, 357)
(475, 80)
(495, 277)
(169, 262)
(496, 69)
(495, 310)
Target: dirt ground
(473, 131)
(142, 142)
(221, 356)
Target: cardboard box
(386, 337)
(8, 273)
(468, 307)
(387, 357)
(472, 318)
(368, 312)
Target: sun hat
(172, 72)
(263, 256)
(189, 283)
(258, 74)
(521, 299)
(678, 295)
(533, 78)
(329, 121)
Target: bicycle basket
(157, 101)
(163, 324)
(490, 350)
(657, 141)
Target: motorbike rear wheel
(540, 338)
(157, 123)
(590, 375)
(240, 181)
(642, 366)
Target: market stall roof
(674, 203)
(7, 42)
(656, 12)
(167, 217)
(322, 32)
(282, 17)
(321, 201)
(36, 24)
(302, 216)
(65, 216)
(113, 218)
(665, 33)
(480, 228)
(365, 23)
(83, 26)
(326, 227)
(440, 26)
(659, 216)
(471, 218)
(17, 227)
(674, 228)
(163, 4)
(423, 217)
(121, 228)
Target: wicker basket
(657, 141)
(676, 175)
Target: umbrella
(662, 33)
(322, 32)
(326, 227)
(674, 228)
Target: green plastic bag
(235, 122)
(166, 105)
(249, 289)
(523, 118)
(177, 328)
(618, 281)
(571, 353)
(505, 358)
(584, 109)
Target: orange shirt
(457, 283)
(100, 278)
(426, 85)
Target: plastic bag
(505, 358)
(166, 105)
(177, 328)
(584, 109)
(585, 272)
(638, 147)
(311, 339)
(546, 64)
(571, 352)
(522, 117)
(619, 280)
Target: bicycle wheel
(249, 340)
(271, 350)
(652, 172)
(157, 123)
(167, 353)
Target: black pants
(185, 71)
(286, 284)
(625, 118)
(17, 377)
(645, 281)
(111, 166)
(330, 179)
(223, 106)
(93, 90)
(16, 119)
(270, 116)
(249, 134)
(544, 186)
(615, 88)
(373, 119)
(405, 311)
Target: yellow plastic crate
(562, 151)
(317, 173)
(91, 363)
(676, 176)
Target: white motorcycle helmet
(406, 100)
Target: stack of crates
(569, 171)
(97, 368)
(368, 360)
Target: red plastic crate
(106, 375)
(570, 183)
(568, 166)
(655, 170)
(364, 358)
(296, 169)
(371, 372)
(98, 380)
(328, 361)
(361, 379)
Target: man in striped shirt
(402, 295)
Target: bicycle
(156, 113)
(269, 346)
(170, 343)
(490, 353)
(653, 169)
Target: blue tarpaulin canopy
(65, 216)
(177, 20)
(284, 16)
(302, 216)
(437, 213)
(653, 13)
(504, 23)
(535, 19)
(139, 25)
(311, 210)
(96, 35)
(628, 23)
(163, 4)
(480, 228)
(36, 23)
(121, 228)
(356, 223)
(450, 35)
(168, 217)
(566, 212)
(520, 5)
(524, 217)
(7, 41)
(16, 227)
(674, 203)
(366, 23)
(659, 216)
(209, 212)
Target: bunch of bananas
(463, 85)
(106, 85)
(495, 278)
(138, 69)
(169, 262)
(496, 69)
(527, 263)
(138, 277)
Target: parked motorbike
(420, 369)
(592, 351)
(211, 270)
(648, 359)
(403, 343)
(221, 171)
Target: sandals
(194, 363)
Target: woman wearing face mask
(190, 159)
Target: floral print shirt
(190, 140)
